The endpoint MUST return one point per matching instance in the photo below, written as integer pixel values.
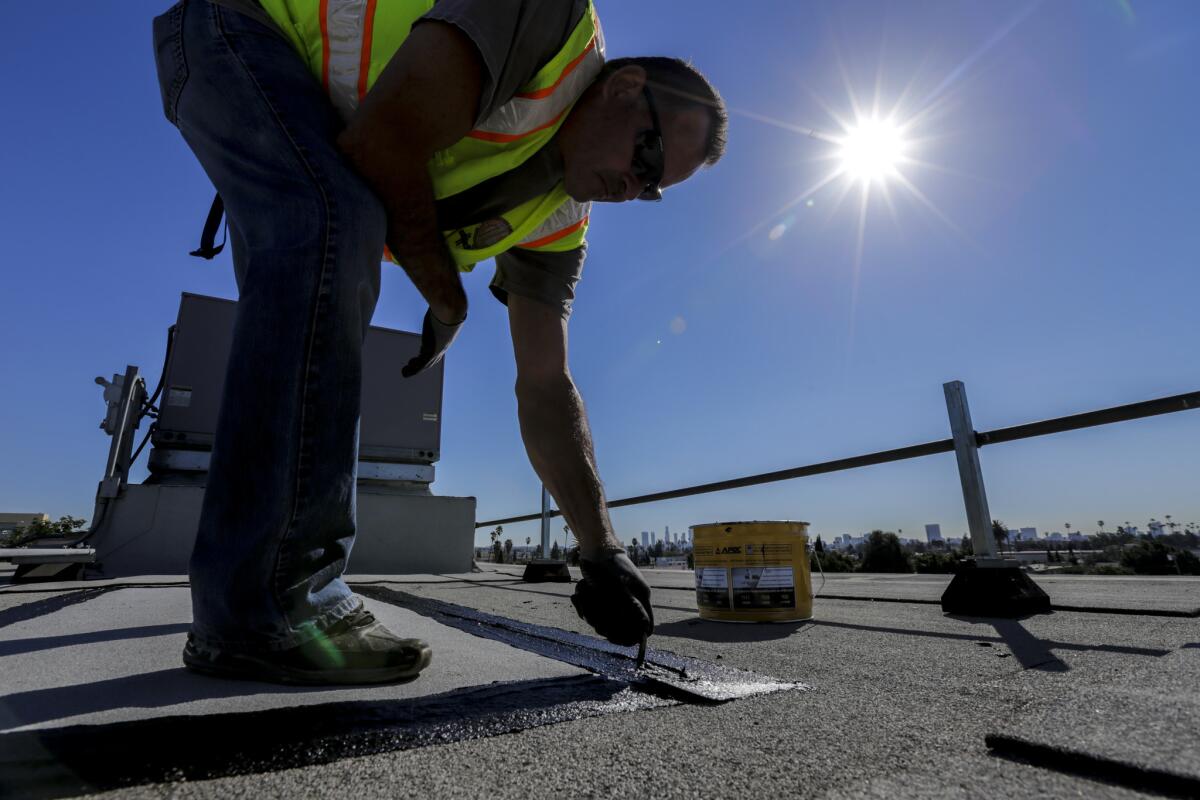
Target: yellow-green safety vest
(347, 44)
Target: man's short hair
(678, 86)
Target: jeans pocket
(169, 59)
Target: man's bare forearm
(405, 189)
(556, 435)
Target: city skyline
(1154, 527)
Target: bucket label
(764, 587)
(747, 554)
(712, 587)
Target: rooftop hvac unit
(401, 417)
(149, 528)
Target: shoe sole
(242, 667)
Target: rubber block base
(546, 571)
(994, 592)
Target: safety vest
(347, 44)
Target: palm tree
(1100, 525)
(1068, 530)
(497, 551)
(1000, 533)
(496, 534)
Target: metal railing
(965, 443)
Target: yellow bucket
(752, 571)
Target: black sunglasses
(648, 159)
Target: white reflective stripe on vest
(342, 25)
(523, 115)
(565, 220)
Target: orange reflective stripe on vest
(529, 112)
(568, 218)
(570, 68)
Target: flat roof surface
(889, 697)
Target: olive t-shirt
(515, 39)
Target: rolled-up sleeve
(546, 277)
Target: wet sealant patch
(65, 762)
(79, 759)
(664, 673)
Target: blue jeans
(307, 236)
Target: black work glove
(614, 598)
(436, 338)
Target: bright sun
(872, 150)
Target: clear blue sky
(1052, 267)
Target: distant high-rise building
(933, 533)
(667, 532)
(1027, 535)
(1156, 529)
(645, 538)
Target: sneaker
(355, 650)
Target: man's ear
(625, 83)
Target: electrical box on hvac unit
(401, 417)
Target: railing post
(545, 522)
(986, 586)
(979, 519)
(541, 570)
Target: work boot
(355, 650)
